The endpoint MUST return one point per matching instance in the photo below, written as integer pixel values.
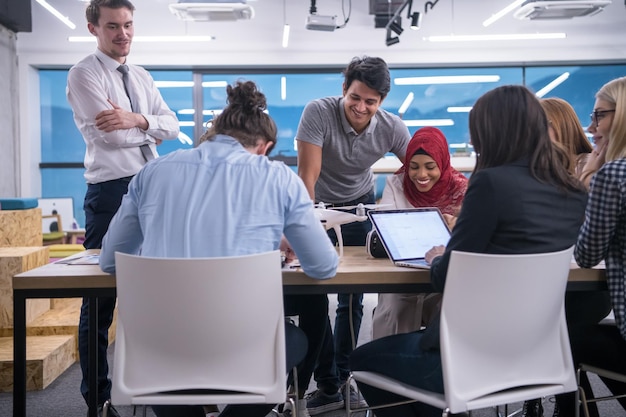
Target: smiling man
(122, 117)
(339, 138)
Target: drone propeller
(332, 219)
(361, 205)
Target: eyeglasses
(597, 115)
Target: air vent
(559, 9)
(203, 11)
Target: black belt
(123, 179)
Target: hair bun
(246, 96)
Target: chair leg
(582, 403)
(346, 395)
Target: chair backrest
(200, 323)
(503, 327)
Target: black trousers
(101, 203)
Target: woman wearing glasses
(597, 128)
(580, 306)
(603, 237)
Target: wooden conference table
(357, 273)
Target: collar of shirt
(110, 63)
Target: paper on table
(91, 259)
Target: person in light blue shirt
(226, 198)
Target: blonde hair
(568, 132)
(614, 92)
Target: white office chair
(494, 350)
(182, 326)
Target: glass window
(438, 97)
(577, 85)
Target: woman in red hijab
(426, 179)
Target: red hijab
(447, 193)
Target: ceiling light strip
(181, 39)
(552, 84)
(204, 112)
(406, 103)
(283, 88)
(429, 122)
(503, 12)
(57, 14)
(499, 37)
(188, 84)
(286, 35)
(459, 109)
(447, 79)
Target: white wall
(9, 139)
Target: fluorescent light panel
(57, 14)
(502, 12)
(204, 112)
(406, 103)
(283, 88)
(447, 79)
(188, 84)
(552, 84)
(459, 109)
(429, 122)
(184, 139)
(500, 37)
(146, 39)
(285, 35)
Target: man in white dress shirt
(121, 122)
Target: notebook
(407, 234)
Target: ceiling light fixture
(181, 39)
(57, 14)
(204, 112)
(396, 26)
(395, 23)
(500, 37)
(416, 21)
(189, 84)
(285, 25)
(459, 109)
(184, 139)
(503, 12)
(391, 40)
(447, 79)
(208, 11)
(285, 35)
(283, 88)
(406, 103)
(552, 84)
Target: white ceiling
(257, 42)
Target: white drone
(333, 218)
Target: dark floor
(62, 398)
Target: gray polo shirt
(347, 158)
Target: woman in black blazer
(520, 199)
